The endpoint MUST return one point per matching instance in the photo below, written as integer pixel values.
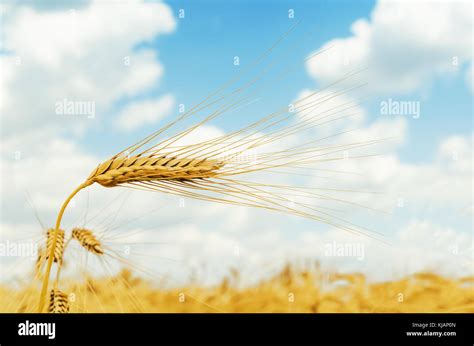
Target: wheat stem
(44, 289)
(58, 272)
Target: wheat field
(290, 291)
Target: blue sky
(204, 43)
(199, 57)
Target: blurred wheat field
(290, 291)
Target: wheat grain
(43, 254)
(88, 240)
(58, 302)
(121, 170)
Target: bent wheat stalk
(56, 236)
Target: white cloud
(50, 37)
(456, 153)
(403, 45)
(440, 187)
(87, 54)
(417, 246)
(46, 172)
(324, 106)
(200, 134)
(148, 112)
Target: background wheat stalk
(57, 249)
(58, 302)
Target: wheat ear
(58, 302)
(122, 170)
(43, 254)
(88, 240)
(58, 249)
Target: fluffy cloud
(405, 43)
(149, 112)
(184, 249)
(421, 189)
(51, 37)
(331, 104)
(83, 54)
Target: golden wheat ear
(58, 302)
(57, 249)
(88, 240)
(119, 171)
